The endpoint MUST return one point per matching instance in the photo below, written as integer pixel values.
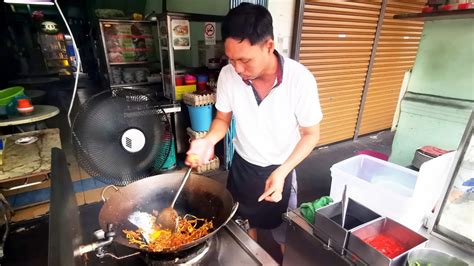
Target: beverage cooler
(130, 52)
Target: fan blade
(100, 125)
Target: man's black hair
(248, 21)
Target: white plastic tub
(384, 187)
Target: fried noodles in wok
(189, 228)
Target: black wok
(201, 196)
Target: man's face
(249, 61)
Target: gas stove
(230, 246)
(194, 255)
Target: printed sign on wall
(210, 33)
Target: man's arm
(219, 127)
(274, 184)
(309, 140)
(201, 150)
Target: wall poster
(180, 32)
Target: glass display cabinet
(454, 217)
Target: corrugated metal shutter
(336, 45)
(395, 54)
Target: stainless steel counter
(304, 248)
(235, 247)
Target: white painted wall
(283, 12)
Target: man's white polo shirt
(266, 134)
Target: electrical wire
(229, 145)
(78, 60)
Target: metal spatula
(168, 217)
(144, 221)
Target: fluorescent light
(30, 2)
(342, 36)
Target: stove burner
(189, 256)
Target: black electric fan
(121, 136)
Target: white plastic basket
(384, 187)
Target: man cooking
(275, 103)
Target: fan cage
(140, 106)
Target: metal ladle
(168, 217)
(344, 206)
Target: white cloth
(267, 134)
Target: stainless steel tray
(327, 222)
(386, 226)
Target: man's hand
(276, 181)
(274, 186)
(199, 153)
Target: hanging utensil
(168, 217)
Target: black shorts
(246, 183)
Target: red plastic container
(427, 9)
(201, 87)
(375, 154)
(179, 80)
(446, 7)
(464, 6)
(189, 79)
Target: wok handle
(112, 255)
(234, 208)
(105, 189)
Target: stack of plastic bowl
(24, 106)
(8, 100)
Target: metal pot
(433, 257)
(201, 196)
